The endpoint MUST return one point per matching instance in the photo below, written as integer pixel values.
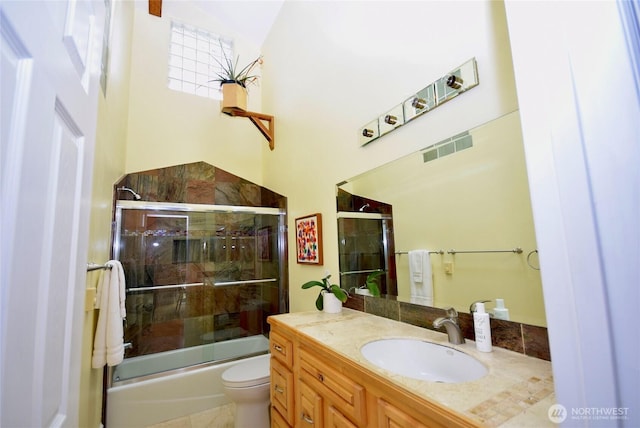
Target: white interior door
(49, 98)
(581, 133)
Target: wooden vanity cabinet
(330, 390)
(282, 381)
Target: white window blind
(192, 60)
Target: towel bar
(94, 266)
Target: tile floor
(219, 417)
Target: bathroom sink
(422, 360)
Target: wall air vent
(446, 147)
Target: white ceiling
(251, 18)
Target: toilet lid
(248, 373)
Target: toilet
(247, 385)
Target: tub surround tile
(200, 191)
(517, 387)
(156, 318)
(197, 183)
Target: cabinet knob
(320, 377)
(278, 389)
(278, 348)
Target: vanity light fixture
(418, 103)
(390, 119)
(445, 88)
(369, 132)
(454, 82)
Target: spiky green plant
(327, 287)
(229, 70)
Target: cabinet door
(390, 416)
(282, 390)
(335, 419)
(345, 394)
(310, 411)
(277, 421)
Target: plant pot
(234, 96)
(331, 304)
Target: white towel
(420, 277)
(108, 344)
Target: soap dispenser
(500, 312)
(482, 328)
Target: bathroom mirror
(466, 201)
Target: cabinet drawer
(335, 419)
(282, 397)
(281, 348)
(391, 416)
(342, 392)
(310, 412)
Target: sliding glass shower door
(197, 274)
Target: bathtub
(143, 397)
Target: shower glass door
(365, 246)
(197, 274)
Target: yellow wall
(331, 67)
(167, 127)
(109, 163)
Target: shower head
(126, 189)
(362, 208)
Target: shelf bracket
(258, 119)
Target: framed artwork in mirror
(309, 239)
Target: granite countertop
(517, 391)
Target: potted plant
(331, 296)
(371, 284)
(234, 81)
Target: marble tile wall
(523, 338)
(161, 320)
(197, 183)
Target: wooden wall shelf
(258, 120)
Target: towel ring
(529, 261)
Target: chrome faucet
(450, 323)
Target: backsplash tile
(536, 341)
(523, 338)
(382, 307)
